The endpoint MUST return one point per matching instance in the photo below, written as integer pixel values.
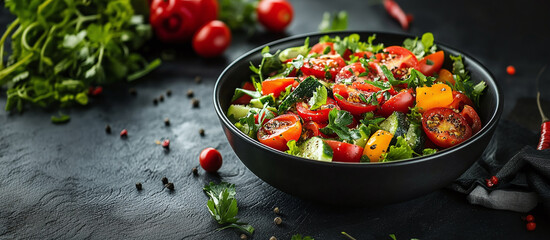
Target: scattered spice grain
(276, 210)
(168, 92)
(201, 132)
(166, 122)
(124, 133)
(155, 101)
(166, 143)
(272, 238)
(243, 236)
(195, 102)
(195, 171)
(198, 79)
(161, 98)
(108, 129)
(170, 186)
(190, 93)
(278, 220)
(164, 180)
(139, 186)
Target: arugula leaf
(338, 121)
(401, 150)
(319, 98)
(270, 63)
(239, 92)
(463, 82)
(222, 205)
(294, 52)
(421, 48)
(336, 22)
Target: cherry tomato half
(398, 103)
(472, 118)
(212, 39)
(245, 99)
(274, 15)
(445, 77)
(210, 159)
(319, 48)
(311, 129)
(459, 100)
(318, 115)
(351, 101)
(345, 152)
(435, 62)
(276, 86)
(323, 67)
(278, 131)
(398, 57)
(445, 127)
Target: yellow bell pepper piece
(438, 95)
(377, 145)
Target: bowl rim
(491, 123)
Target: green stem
(3, 39)
(40, 8)
(24, 42)
(6, 71)
(43, 50)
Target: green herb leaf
(62, 118)
(336, 22)
(222, 205)
(293, 149)
(300, 237)
(401, 150)
(319, 98)
(338, 121)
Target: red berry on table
(210, 159)
(166, 143)
(124, 133)
(489, 183)
(494, 180)
(511, 70)
(531, 226)
(529, 218)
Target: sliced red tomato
(345, 152)
(276, 132)
(318, 115)
(445, 127)
(435, 62)
(350, 72)
(398, 103)
(351, 101)
(363, 54)
(319, 48)
(245, 99)
(312, 129)
(398, 57)
(323, 67)
(470, 114)
(459, 100)
(276, 86)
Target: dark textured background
(76, 181)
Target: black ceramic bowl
(356, 183)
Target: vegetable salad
(347, 100)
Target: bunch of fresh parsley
(222, 205)
(61, 48)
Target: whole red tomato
(275, 15)
(178, 20)
(212, 39)
(210, 159)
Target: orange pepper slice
(377, 145)
(438, 95)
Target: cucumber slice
(396, 124)
(317, 149)
(305, 89)
(415, 137)
(236, 111)
(259, 102)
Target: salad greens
(355, 101)
(61, 48)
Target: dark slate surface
(76, 181)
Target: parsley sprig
(222, 205)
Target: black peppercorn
(201, 132)
(168, 92)
(170, 186)
(166, 122)
(195, 102)
(155, 101)
(138, 186)
(195, 171)
(161, 98)
(132, 91)
(190, 93)
(164, 180)
(108, 129)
